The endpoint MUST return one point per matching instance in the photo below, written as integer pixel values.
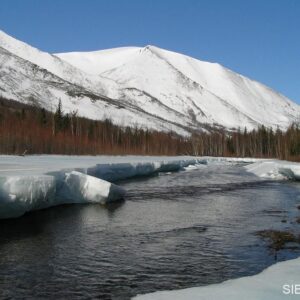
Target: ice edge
(20, 194)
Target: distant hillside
(146, 87)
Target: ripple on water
(173, 231)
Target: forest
(36, 131)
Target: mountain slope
(207, 92)
(31, 76)
(147, 87)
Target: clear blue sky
(257, 38)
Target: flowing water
(173, 231)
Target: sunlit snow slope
(148, 87)
(204, 92)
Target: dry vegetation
(278, 239)
(39, 131)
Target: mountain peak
(160, 89)
(149, 47)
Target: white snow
(35, 182)
(210, 92)
(19, 194)
(233, 160)
(39, 181)
(97, 62)
(267, 285)
(82, 188)
(275, 169)
(49, 62)
(148, 87)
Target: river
(173, 231)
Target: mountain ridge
(147, 87)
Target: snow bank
(35, 182)
(233, 160)
(21, 194)
(276, 282)
(64, 179)
(81, 188)
(275, 169)
(265, 168)
(115, 172)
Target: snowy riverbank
(263, 168)
(36, 182)
(275, 169)
(280, 281)
(40, 181)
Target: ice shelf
(36, 182)
(40, 181)
(275, 169)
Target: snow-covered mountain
(148, 87)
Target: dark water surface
(173, 231)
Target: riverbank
(40, 181)
(278, 282)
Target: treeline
(37, 131)
(262, 142)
